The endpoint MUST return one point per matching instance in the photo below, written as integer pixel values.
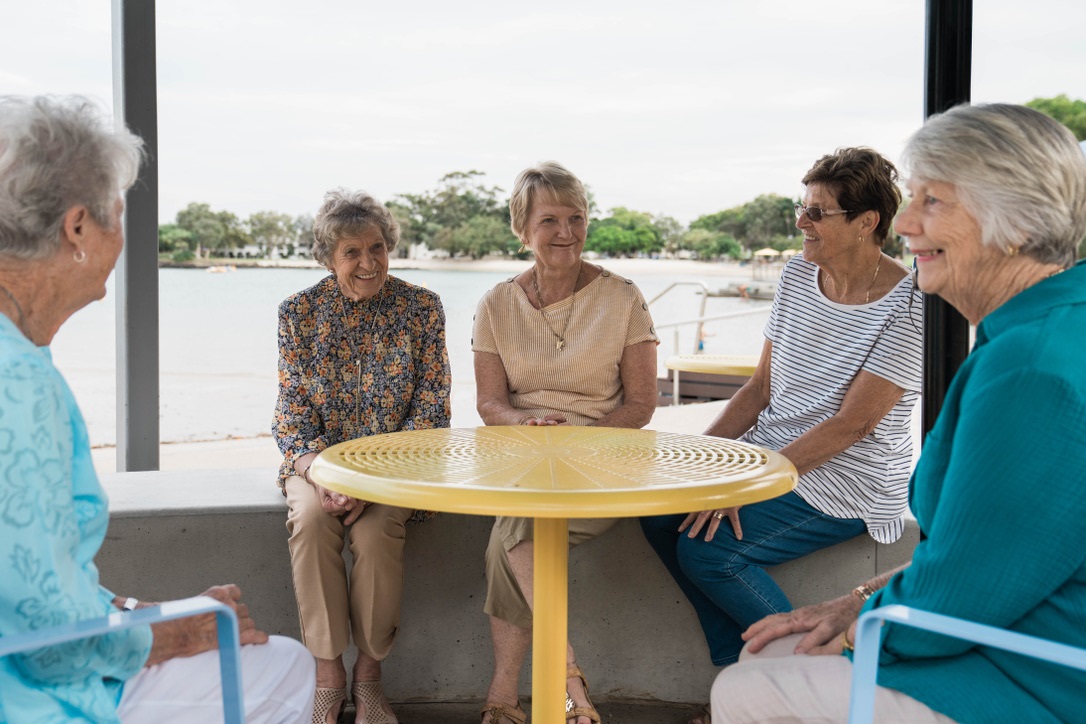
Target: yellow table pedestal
(552, 474)
(550, 620)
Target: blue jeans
(725, 579)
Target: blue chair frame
(865, 662)
(226, 623)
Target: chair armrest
(865, 662)
(226, 623)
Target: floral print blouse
(350, 369)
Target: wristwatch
(130, 604)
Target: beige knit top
(581, 380)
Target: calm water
(218, 344)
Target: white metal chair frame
(226, 623)
(865, 662)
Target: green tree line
(464, 217)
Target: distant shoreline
(655, 267)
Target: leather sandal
(326, 700)
(495, 712)
(370, 697)
(572, 710)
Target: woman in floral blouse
(360, 353)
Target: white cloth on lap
(278, 678)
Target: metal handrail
(700, 321)
(701, 310)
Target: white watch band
(130, 604)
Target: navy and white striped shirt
(819, 346)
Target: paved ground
(610, 713)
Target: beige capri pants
(504, 599)
(777, 685)
(332, 602)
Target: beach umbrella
(767, 252)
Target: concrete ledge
(172, 534)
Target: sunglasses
(815, 213)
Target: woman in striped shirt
(833, 392)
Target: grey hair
(1019, 173)
(56, 153)
(345, 214)
(550, 180)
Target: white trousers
(277, 678)
(775, 686)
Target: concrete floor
(610, 713)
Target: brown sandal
(326, 700)
(497, 712)
(370, 697)
(572, 710)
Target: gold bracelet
(863, 591)
(845, 643)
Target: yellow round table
(552, 474)
(738, 365)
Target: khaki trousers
(504, 599)
(779, 686)
(332, 601)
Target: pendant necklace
(560, 344)
(358, 354)
(867, 299)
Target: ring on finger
(718, 515)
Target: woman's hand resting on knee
(711, 520)
(197, 634)
(823, 623)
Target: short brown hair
(862, 180)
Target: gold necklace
(21, 321)
(358, 353)
(561, 343)
(867, 299)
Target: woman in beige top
(563, 343)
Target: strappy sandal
(572, 710)
(496, 712)
(370, 696)
(326, 700)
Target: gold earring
(1012, 251)
(861, 240)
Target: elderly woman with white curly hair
(360, 353)
(997, 214)
(64, 169)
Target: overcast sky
(683, 107)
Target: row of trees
(463, 216)
(198, 231)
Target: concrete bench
(172, 534)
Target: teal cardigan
(1000, 493)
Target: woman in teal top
(63, 171)
(998, 211)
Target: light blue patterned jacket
(53, 518)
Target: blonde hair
(550, 181)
